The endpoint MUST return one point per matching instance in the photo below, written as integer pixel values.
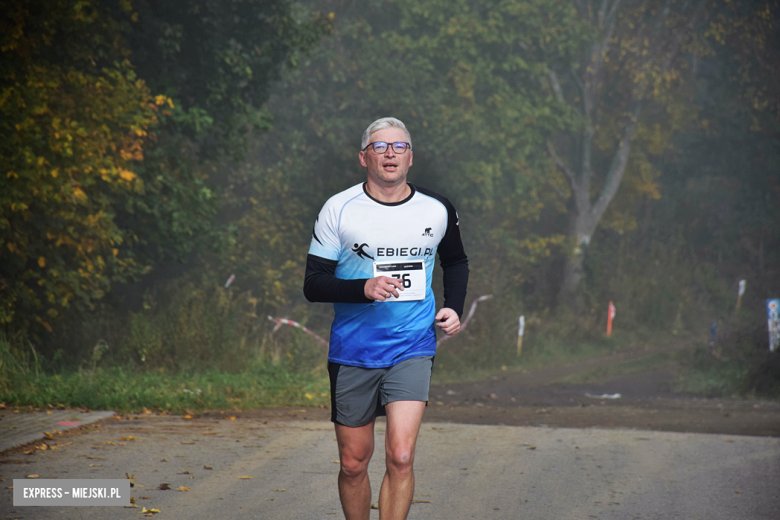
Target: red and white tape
(469, 315)
(284, 321)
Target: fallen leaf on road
(280, 489)
(111, 443)
(245, 477)
(188, 416)
(374, 506)
(164, 460)
(146, 498)
(207, 467)
(164, 486)
(531, 448)
(33, 476)
(128, 438)
(95, 465)
(336, 461)
(183, 488)
(421, 502)
(738, 492)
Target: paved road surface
(463, 472)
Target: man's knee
(355, 464)
(400, 459)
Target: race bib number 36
(410, 274)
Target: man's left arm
(455, 265)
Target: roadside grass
(736, 373)
(129, 392)
(463, 364)
(634, 366)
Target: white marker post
(740, 292)
(520, 336)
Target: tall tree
(629, 75)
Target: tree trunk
(582, 224)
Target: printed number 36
(404, 279)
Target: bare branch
(602, 12)
(562, 165)
(556, 86)
(618, 166)
(578, 81)
(610, 18)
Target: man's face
(389, 168)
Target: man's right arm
(321, 284)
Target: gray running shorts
(358, 395)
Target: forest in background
(596, 151)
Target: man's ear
(362, 157)
(411, 157)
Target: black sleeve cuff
(321, 284)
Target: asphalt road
(463, 471)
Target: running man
(372, 255)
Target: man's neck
(388, 194)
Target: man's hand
(381, 287)
(448, 321)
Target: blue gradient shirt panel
(356, 231)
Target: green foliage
(137, 136)
(102, 180)
(74, 118)
(217, 60)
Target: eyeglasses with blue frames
(380, 147)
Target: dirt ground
(533, 398)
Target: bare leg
(403, 424)
(356, 445)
